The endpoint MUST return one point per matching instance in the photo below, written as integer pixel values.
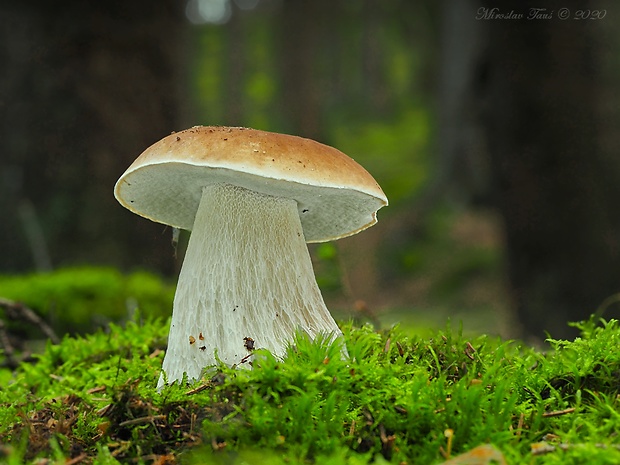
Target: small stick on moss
(520, 424)
(96, 389)
(18, 311)
(9, 350)
(352, 428)
(138, 421)
(401, 352)
(470, 351)
(197, 390)
(557, 413)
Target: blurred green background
(495, 140)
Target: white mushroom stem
(247, 274)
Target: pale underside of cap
(335, 196)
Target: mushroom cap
(335, 196)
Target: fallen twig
(470, 351)
(9, 350)
(557, 413)
(200, 388)
(138, 421)
(18, 311)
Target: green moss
(80, 299)
(390, 400)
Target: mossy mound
(395, 399)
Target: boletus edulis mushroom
(252, 199)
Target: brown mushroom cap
(335, 196)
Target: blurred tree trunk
(300, 34)
(235, 69)
(358, 253)
(555, 186)
(462, 170)
(85, 88)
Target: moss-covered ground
(395, 399)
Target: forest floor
(396, 398)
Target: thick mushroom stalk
(246, 282)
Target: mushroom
(251, 199)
